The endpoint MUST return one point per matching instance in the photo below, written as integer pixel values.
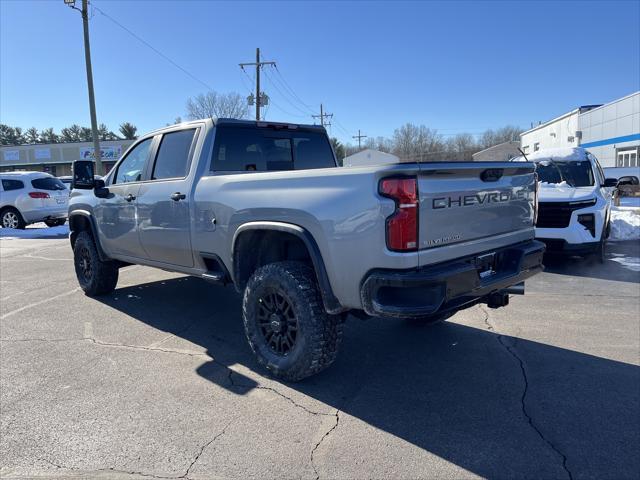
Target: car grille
(558, 214)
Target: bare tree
(217, 105)
(501, 135)
(415, 142)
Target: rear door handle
(178, 196)
(130, 198)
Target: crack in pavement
(204, 447)
(523, 398)
(326, 434)
(108, 344)
(271, 389)
(185, 475)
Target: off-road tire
(12, 216)
(54, 223)
(318, 334)
(431, 320)
(94, 276)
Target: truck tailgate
(461, 202)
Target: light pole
(92, 100)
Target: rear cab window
(48, 183)
(9, 184)
(264, 149)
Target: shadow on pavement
(622, 263)
(498, 406)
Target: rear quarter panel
(340, 207)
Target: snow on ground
(37, 230)
(631, 263)
(625, 223)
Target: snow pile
(37, 230)
(560, 185)
(630, 263)
(625, 223)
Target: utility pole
(92, 100)
(258, 64)
(322, 116)
(359, 137)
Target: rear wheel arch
(256, 244)
(83, 221)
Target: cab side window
(131, 168)
(172, 160)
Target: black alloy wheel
(277, 321)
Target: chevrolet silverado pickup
(265, 207)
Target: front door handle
(178, 196)
(130, 198)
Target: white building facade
(611, 132)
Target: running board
(214, 277)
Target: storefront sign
(42, 153)
(11, 155)
(106, 153)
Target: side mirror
(99, 189)
(83, 175)
(610, 182)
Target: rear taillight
(38, 194)
(402, 226)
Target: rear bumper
(448, 286)
(46, 213)
(555, 245)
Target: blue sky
(453, 66)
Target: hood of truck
(563, 192)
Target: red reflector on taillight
(402, 226)
(38, 194)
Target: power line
(273, 84)
(289, 89)
(144, 42)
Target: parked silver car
(30, 197)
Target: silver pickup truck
(264, 206)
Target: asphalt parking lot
(157, 380)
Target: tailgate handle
(492, 175)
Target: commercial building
(611, 132)
(57, 158)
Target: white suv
(30, 197)
(574, 201)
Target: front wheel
(94, 276)
(285, 322)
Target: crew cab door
(116, 214)
(164, 200)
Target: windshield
(577, 173)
